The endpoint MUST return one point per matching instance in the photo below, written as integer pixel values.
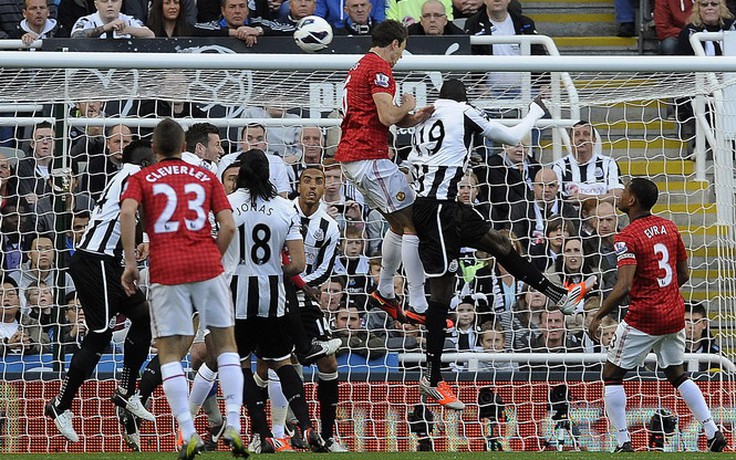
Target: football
(313, 34)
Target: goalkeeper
(440, 156)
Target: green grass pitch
(386, 456)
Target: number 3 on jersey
(664, 264)
(164, 224)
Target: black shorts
(315, 324)
(268, 338)
(97, 280)
(443, 228)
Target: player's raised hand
(408, 101)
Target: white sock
(279, 404)
(176, 389)
(414, 272)
(694, 399)
(390, 261)
(231, 382)
(201, 387)
(615, 398)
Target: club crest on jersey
(620, 248)
(381, 80)
(598, 172)
(318, 234)
(401, 196)
(452, 268)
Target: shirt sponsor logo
(381, 80)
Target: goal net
(529, 383)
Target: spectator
(492, 339)
(17, 338)
(309, 151)
(506, 288)
(467, 8)
(467, 189)
(465, 333)
(266, 9)
(253, 137)
(409, 12)
(339, 206)
(36, 25)
(8, 182)
(34, 171)
(73, 329)
(109, 22)
(166, 19)
(670, 16)
(587, 208)
(433, 21)
(11, 15)
(235, 22)
(229, 177)
(71, 10)
(625, 12)
(335, 11)
(607, 331)
(522, 323)
(697, 336)
(357, 20)
(586, 172)
(545, 255)
(707, 16)
(15, 228)
(547, 204)
(331, 296)
(143, 9)
(355, 338)
(570, 268)
(282, 140)
(80, 220)
(553, 336)
(509, 177)
(497, 19)
(353, 264)
(104, 164)
(86, 138)
(39, 299)
(41, 268)
(298, 9)
(599, 246)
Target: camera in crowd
(559, 405)
(421, 423)
(491, 407)
(662, 425)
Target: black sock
(327, 394)
(523, 270)
(296, 327)
(150, 380)
(137, 343)
(436, 332)
(293, 389)
(255, 400)
(83, 362)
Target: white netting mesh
(644, 123)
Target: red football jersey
(364, 137)
(177, 198)
(655, 246)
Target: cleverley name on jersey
(175, 170)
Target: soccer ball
(313, 34)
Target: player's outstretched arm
(226, 229)
(298, 261)
(390, 113)
(508, 135)
(614, 299)
(128, 210)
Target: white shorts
(382, 184)
(630, 346)
(172, 306)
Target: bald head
(546, 185)
(434, 17)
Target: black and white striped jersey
(254, 255)
(321, 237)
(103, 231)
(596, 177)
(441, 147)
(278, 171)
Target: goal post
(634, 104)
